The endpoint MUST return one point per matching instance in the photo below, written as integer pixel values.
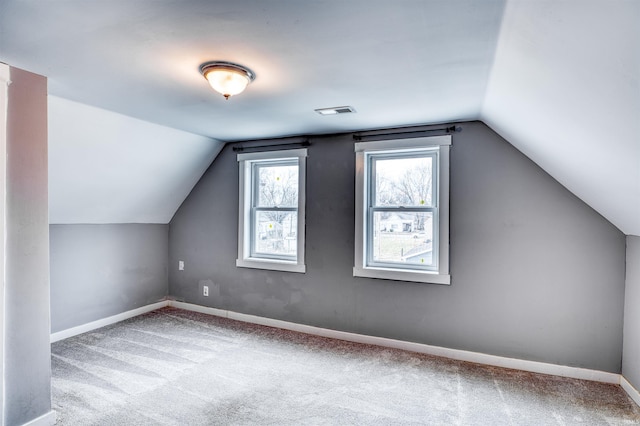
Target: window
(271, 211)
(402, 210)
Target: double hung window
(402, 209)
(271, 222)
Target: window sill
(397, 275)
(272, 265)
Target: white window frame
(246, 182)
(5, 80)
(438, 144)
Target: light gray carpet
(175, 367)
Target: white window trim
(244, 259)
(360, 269)
(5, 81)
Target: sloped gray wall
(536, 273)
(631, 347)
(27, 352)
(102, 270)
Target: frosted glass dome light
(227, 78)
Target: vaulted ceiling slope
(559, 79)
(565, 90)
(106, 167)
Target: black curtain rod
(303, 144)
(407, 135)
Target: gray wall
(103, 270)
(27, 351)
(536, 273)
(631, 353)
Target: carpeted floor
(175, 367)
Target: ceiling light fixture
(227, 78)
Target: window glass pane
(276, 233)
(277, 185)
(403, 181)
(400, 237)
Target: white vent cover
(335, 110)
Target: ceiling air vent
(335, 110)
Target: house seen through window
(401, 221)
(402, 209)
(271, 219)
(275, 209)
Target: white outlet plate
(205, 290)
(180, 265)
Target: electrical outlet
(180, 265)
(205, 290)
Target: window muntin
(402, 209)
(271, 219)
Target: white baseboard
(631, 391)
(457, 354)
(48, 419)
(74, 331)
(198, 308)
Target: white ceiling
(559, 79)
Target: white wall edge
(48, 419)
(90, 326)
(5, 80)
(457, 354)
(630, 390)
